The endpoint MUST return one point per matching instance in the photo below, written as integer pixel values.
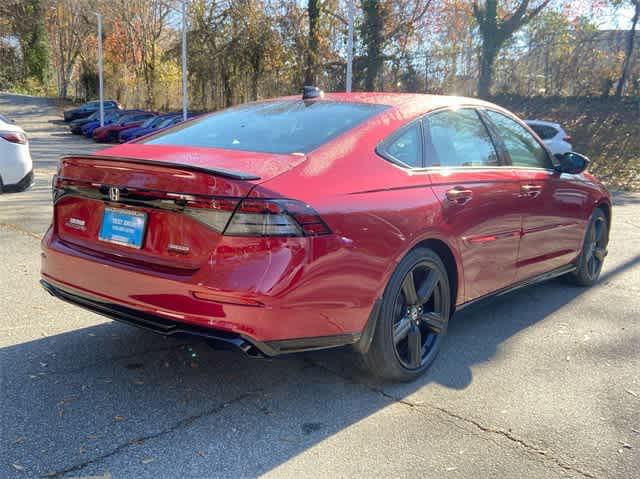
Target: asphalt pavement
(544, 382)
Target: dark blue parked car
(149, 126)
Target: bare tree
(68, 28)
(495, 30)
(384, 21)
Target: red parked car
(361, 219)
(109, 133)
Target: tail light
(256, 217)
(567, 138)
(226, 215)
(215, 213)
(14, 137)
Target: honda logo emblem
(114, 193)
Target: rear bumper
(15, 165)
(270, 298)
(24, 184)
(218, 338)
(150, 322)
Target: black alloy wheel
(413, 318)
(418, 315)
(594, 250)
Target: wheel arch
(605, 206)
(453, 267)
(454, 273)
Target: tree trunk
(372, 33)
(487, 59)
(312, 72)
(629, 51)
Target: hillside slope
(607, 130)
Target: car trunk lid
(156, 208)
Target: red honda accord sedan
(295, 224)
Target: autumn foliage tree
(244, 50)
(496, 25)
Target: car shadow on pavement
(621, 198)
(73, 402)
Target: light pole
(100, 72)
(185, 98)
(350, 47)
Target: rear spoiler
(224, 172)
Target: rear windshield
(282, 126)
(150, 121)
(544, 132)
(167, 122)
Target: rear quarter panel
(376, 210)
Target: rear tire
(594, 250)
(413, 318)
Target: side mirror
(572, 163)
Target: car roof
(408, 104)
(399, 100)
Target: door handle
(459, 195)
(530, 191)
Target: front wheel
(594, 250)
(413, 318)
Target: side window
(407, 146)
(458, 138)
(522, 147)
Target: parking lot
(544, 382)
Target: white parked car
(16, 167)
(558, 141)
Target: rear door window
(281, 126)
(458, 138)
(522, 147)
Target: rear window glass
(288, 126)
(168, 122)
(150, 121)
(125, 119)
(543, 131)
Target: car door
(552, 205)
(477, 193)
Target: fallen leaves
(18, 467)
(625, 445)
(119, 418)
(147, 460)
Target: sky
(617, 19)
